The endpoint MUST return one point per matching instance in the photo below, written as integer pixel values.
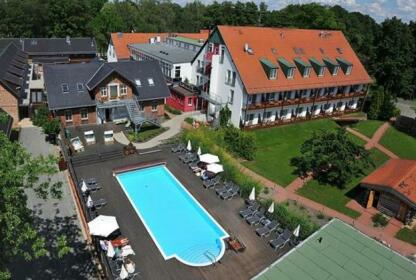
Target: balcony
(303, 100)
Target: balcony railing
(303, 100)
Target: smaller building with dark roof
(99, 92)
(392, 189)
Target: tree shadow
(77, 264)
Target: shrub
(225, 116)
(379, 220)
(239, 142)
(172, 110)
(51, 126)
(42, 119)
(320, 216)
(189, 120)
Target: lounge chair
(267, 229)
(257, 217)
(88, 188)
(97, 204)
(281, 240)
(249, 211)
(225, 188)
(178, 148)
(210, 183)
(231, 193)
(186, 157)
(89, 181)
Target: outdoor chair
(190, 159)
(89, 181)
(281, 240)
(210, 183)
(257, 217)
(231, 193)
(226, 187)
(249, 211)
(90, 188)
(267, 229)
(97, 204)
(178, 148)
(186, 156)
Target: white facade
(111, 53)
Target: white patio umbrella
(296, 231)
(103, 226)
(199, 151)
(271, 208)
(215, 168)
(189, 146)
(252, 195)
(84, 187)
(209, 158)
(90, 203)
(110, 250)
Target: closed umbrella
(189, 146)
(123, 273)
(110, 250)
(209, 158)
(252, 195)
(84, 187)
(103, 226)
(199, 151)
(296, 231)
(90, 203)
(215, 168)
(271, 208)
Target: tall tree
(18, 172)
(395, 53)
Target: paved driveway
(54, 217)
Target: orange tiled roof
(396, 174)
(121, 40)
(275, 43)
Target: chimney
(68, 40)
(246, 47)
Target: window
(138, 82)
(326, 106)
(189, 101)
(321, 71)
(335, 71)
(151, 82)
(84, 114)
(68, 116)
(80, 87)
(290, 73)
(234, 78)
(231, 98)
(65, 88)
(123, 89)
(348, 71)
(307, 72)
(228, 77)
(273, 74)
(103, 91)
(154, 107)
(177, 71)
(222, 54)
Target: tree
(18, 172)
(332, 157)
(225, 116)
(380, 105)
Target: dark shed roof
(13, 69)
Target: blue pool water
(178, 224)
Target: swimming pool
(178, 224)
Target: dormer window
(151, 82)
(138, 82)
(65, 88)
(332, 65)
(287, 67)
(80, 87)
(318, 66)
(304, 67)
(345, 65)
(270, 68)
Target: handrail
(208, 254)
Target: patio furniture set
(89, 138)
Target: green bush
(189, 120)
(172, 110)
(145, 134)
(239, 142)
(379, 220)
(49, 125)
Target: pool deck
(149, 261)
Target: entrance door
(107, 115)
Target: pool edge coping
(130, 168)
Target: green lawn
(400, 143)
(336, 198)
(278, 145)
(146, 133)
(407, 235)
(368, 128)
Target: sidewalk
(174, 128)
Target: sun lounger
(267, 229)
(178, 148)
(281, 240)
(89, 181)
(249, 211)
(97, 204)
(257, 217)
(190, 159)
(225, 188)
(210, 183)
(231, 193)
(90, 188)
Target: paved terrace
(149, 261)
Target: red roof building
(392, 188)
(271, 75)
